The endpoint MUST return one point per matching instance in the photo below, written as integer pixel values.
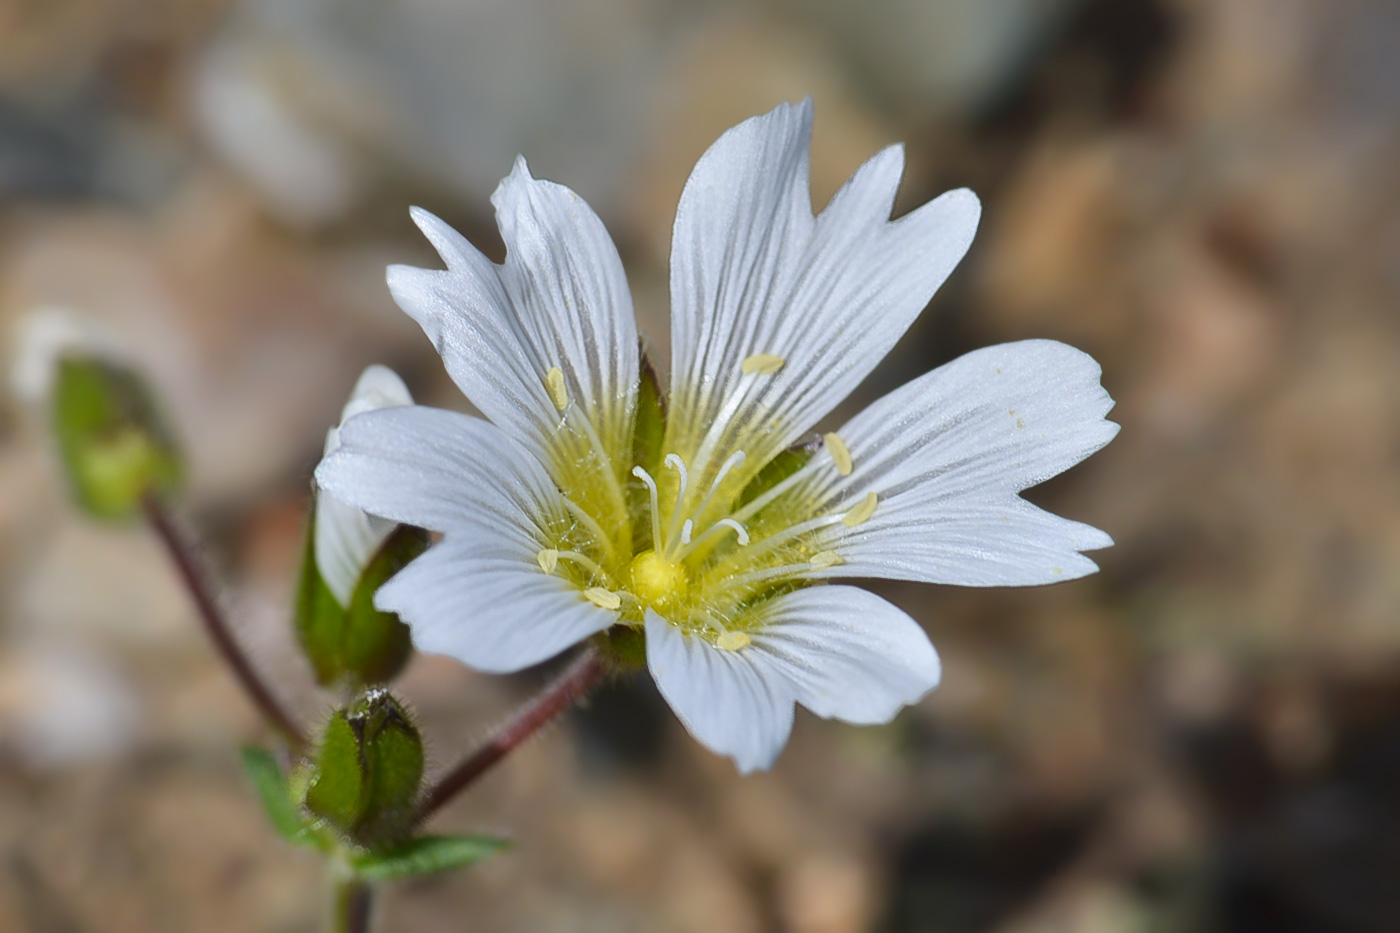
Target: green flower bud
(368, 771)
(114, 447)
(355, 644)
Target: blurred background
(1204, 195)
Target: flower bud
(368, 771)
(349, 555)
(113, 446)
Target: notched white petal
(947, 456)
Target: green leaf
(337, 791)
(377, 644)
(114, 447)
(268, 782)
(425, 855)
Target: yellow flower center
(657, 581)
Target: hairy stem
(570, 686)
(196, 580)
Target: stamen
(645, 477)
(554, 385)
(603, 599)
(732, 461)
(548, 559)
(840, 453)
(733, 641)
(718, 528)
(827, 559)
(584, 561)
(677, 464)
(762, 364)
(861, 512)
(686, 529)
(739, 530)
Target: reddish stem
(196, 580)
(569, 687)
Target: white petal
(559, 301)
(347, 537)
(493, 613)
(378, 387)
(478, 595)
(727, 703)
(446, 472)
(753, 272)
(847, 653)
(947, 455)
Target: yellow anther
(861, 512)
(548, 559)
(764, 364)
(554, 385)
(733, 641)
(603, 599)
(840, 453)
(827, 559)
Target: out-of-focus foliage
(1203, 195)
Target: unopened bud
(112, 442)
(368, 771)
(356, 644)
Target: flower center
(657, 581)
(675, 539)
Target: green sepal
(394, 768)
(277, 797)
(377, 644)
(114, 446)
(319, 620)
(357, 644)
(368, 771)
(337, 790)
(623, 645)
(425, 855)
(785, 464)
(648, 432)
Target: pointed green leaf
(337, 791)
(425, 855)
(268, 782)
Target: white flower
(570, 513)
(347, 537)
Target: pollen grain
(762, 364)
(840, 453)
(861, 512)
(554, 385)
(602, 598)
(733, 641)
